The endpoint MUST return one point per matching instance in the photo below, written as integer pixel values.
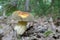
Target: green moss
(47, 33)
(0, 27)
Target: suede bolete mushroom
(23, 18)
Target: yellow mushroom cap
(22, 16)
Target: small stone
(56, 30)
(55, 37)
(34, 39)
(1, 36)
(38, 36)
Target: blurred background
(35, 7)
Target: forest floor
(42, 29)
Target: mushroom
(22, 19)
